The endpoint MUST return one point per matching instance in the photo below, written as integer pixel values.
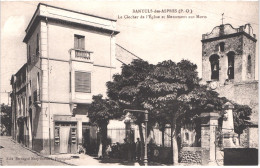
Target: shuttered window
(79, 42)
(82, 82)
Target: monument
(229, 136)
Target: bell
(215, 67)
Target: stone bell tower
(228, 67)
(228, 55)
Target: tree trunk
(239, 138)
(174, 142)
(142, 140)
(103, 131)
(163, 131)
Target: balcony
(81, 55)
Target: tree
(100, 112)
(171, 93)
(6, 119)
(203, 99)
(174, 96)
(125, 90)
(164, 85)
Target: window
(187, 136)
(30, 115)
(38, 87)
(37, 45)
(79, 42)
(222, 46)
(82, 82)
(249, 65)
(30, 86)
(214, 61)
(29, 54)
(230, 72)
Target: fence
(118, 135)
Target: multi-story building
(19, 106)
(70, 57)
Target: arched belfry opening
(214, 62)
(231, 59)
(249, 65)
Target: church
(228, 67)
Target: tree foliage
(100, 112)
(6, 119)
(170, 92)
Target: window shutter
(82, 82)
(79, 42)
(82, 43)
(76, 43)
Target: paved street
(12, 154)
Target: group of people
(132, 150)
(128, 151)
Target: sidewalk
(80, 160)
(59, 159)
(86, 160)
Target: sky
(154, 40)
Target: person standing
(138, 149)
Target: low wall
(191, 155)
(240, 156)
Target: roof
(124, 56)
(23, 67)
(67, 16)
(78, 12)
(227, 31)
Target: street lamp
(145, 121)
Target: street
(13, 154)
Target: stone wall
(191, 155)
(244, 93)
(244, 138)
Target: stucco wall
(61, 40)
(59, 81)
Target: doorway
(64, 139)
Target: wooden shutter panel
(79, 42)
(83, 43)
(82, 82)
(76, 43)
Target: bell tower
(228, 55)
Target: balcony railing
(81, 55)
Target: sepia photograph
(129, 83)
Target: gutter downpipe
(111, 54)
(48, 83)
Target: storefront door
(64, 139)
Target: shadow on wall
(37, 143)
